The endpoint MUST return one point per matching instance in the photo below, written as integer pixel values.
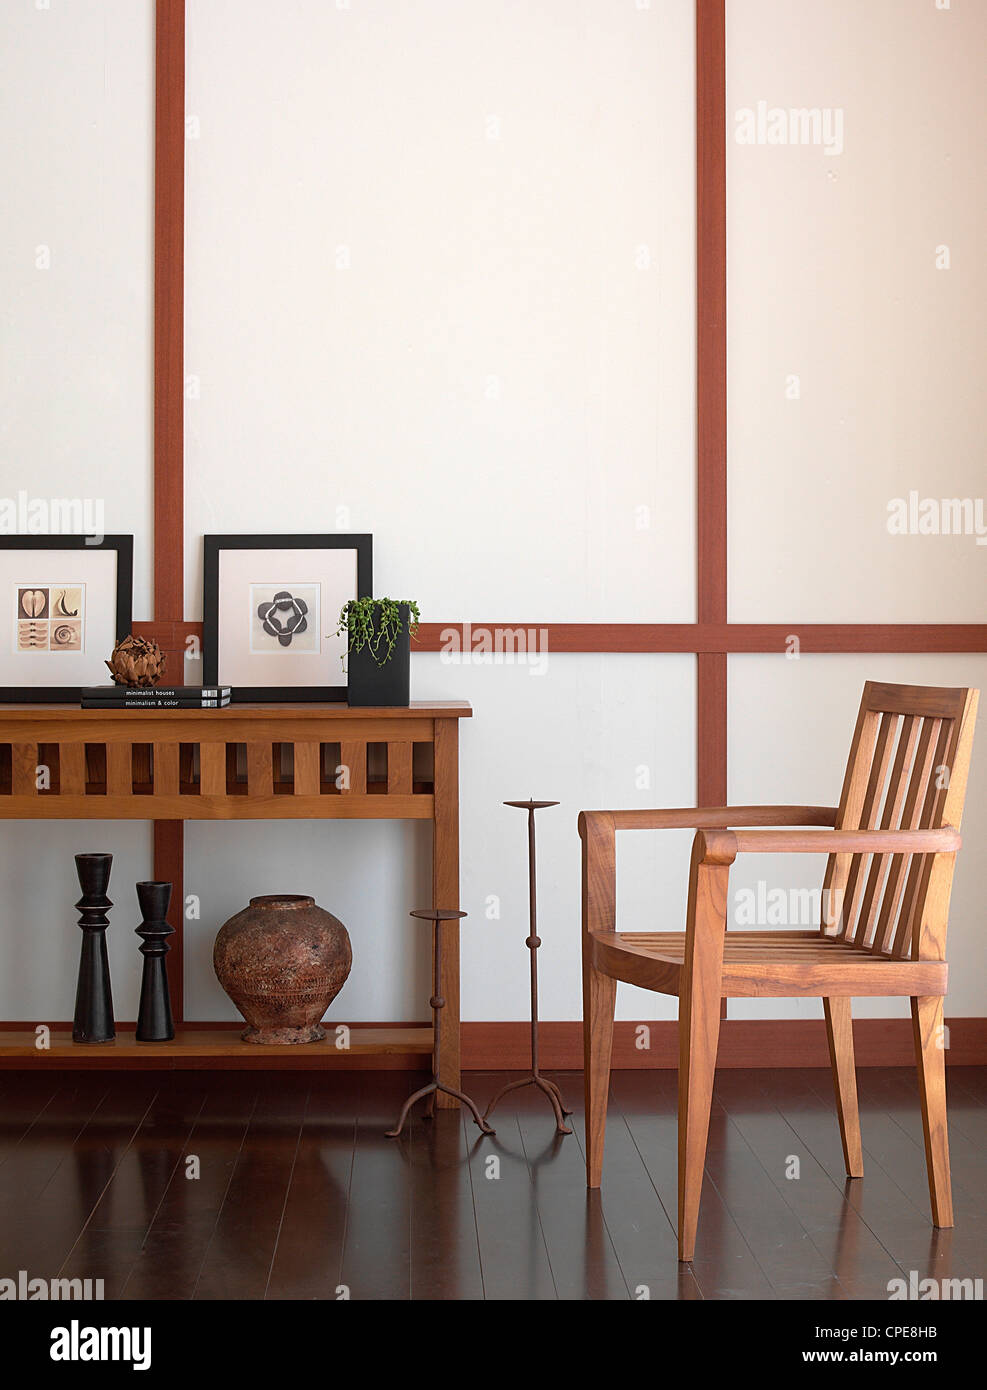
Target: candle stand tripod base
(435, 916)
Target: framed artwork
(270, 605)
(66, 601)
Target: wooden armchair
(892, 846)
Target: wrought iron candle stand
(154, 1020)
(93, 1019)
(533, 942)
(436, 915)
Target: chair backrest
(907, 770)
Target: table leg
(445, 894)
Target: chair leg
(839, 1031)
(699, 1031)
(599, 1000)
(931, 1059)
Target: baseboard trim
(878, 1042)
(752, 1043)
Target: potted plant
(378, 642)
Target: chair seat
(769, 963)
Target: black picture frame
(212, 548)
(124, 547)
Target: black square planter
(390, 684)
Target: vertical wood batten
(169, 310)
(260, 769)
(212, 769)
(24, 769)
(169, 406)
(72, 769)
(711, 398)
(119, 769)
(399, 768)
(353, 757)
(166, 760)
(307, 769)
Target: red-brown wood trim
(711, 398)
(753, 1043)
(775, 638)
(845, 637)
(711, 736)
(169, 307)
(169, 634)
(169, 867)
(169, 422)
(756, 1043)
(711, 312)
(711, 730)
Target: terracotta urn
(282, 961)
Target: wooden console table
(245, 762)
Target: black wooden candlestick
(93, 1021)
(154, 1021)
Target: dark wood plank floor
(283, 1186)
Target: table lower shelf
(401, 1048)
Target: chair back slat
(906, 758)
(934, 813)
(907, 817)
(890, 936)
(852, 797)
(907, 770)
(869, 814)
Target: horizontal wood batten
(753, 1043)
(698, 638)
(689, 638)
(879, 1042)
(852, 637)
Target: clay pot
(282, 961)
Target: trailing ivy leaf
(375, 623)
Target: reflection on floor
(250, 1186)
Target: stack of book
(155, 697)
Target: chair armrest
(597, 830)
(727, 843)
(708, 817)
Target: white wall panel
(76, 293)
(39, 937)
(440, 286)
(76, 108)
(833, 279)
